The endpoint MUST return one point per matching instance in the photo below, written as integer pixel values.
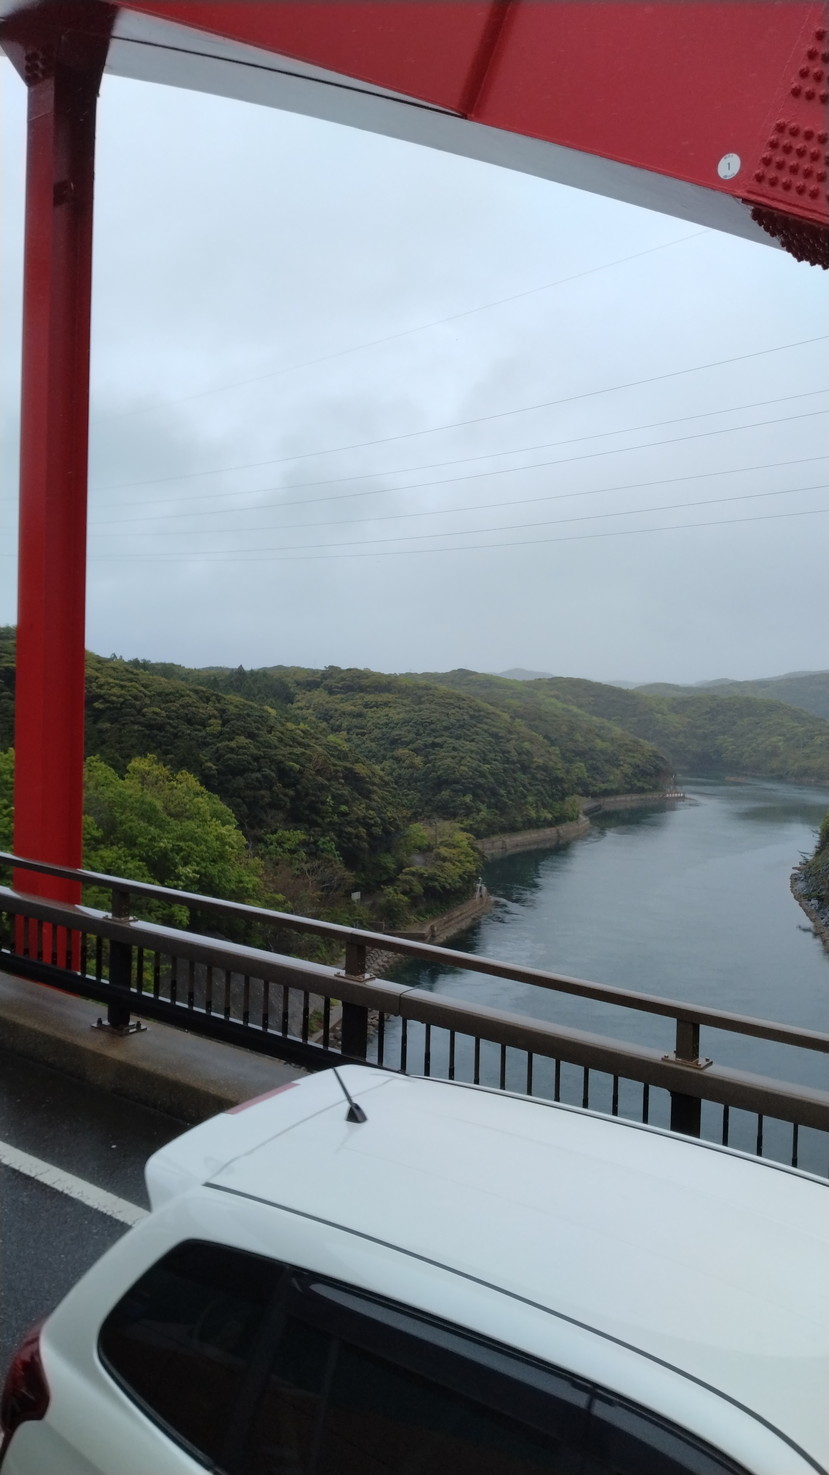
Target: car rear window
(181, 1340)
(261, 1369)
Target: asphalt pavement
(48, 1238)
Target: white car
(461, 1283)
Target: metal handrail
(803, 1105)
(692, 1014)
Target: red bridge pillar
(59, 50)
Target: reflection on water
(690, 901)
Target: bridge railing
(317, 1014)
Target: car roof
(708, 1260)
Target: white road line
(77, 1188)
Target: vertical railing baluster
(266, 1005)
(156, 974)
(759, 1146)
(794, 1144)
(246, 1003)
(646, 1102)
(208, 990)
(326, 1022)
(585, 1090)
(557, 1081)
(404, 1045)
(173, 979)
(286, 1009)
(381, 1038)
(306, 1017)
(476, 1062)
(502, 1075)
(227, 987)
(614, 1103)
(191, 985)
(451, 1055)
(427, 1050)
(529, 1072)
(725, 1125)
(84, 958)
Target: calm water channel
(690, 901)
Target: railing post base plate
(135, 1027)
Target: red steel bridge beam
(60, 53)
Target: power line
(426, 466)
(527, 501)
(404, 332)
(461, 424)
(212, 555)
(471, 547)
(534, 466)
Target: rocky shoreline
(818, 915)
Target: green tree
(163, 827)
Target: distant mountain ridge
(807, 690)
(709, 732)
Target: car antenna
(355, 1112)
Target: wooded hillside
(709, 734)
(326, 781)
(808, 690)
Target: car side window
(181, 1341)
(624, 1440)
(356, 1387)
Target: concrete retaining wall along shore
(533, 839)
(439, 929)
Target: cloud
(246, 262)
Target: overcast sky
(355, 402)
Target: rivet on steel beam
(787, 148)
(824, 97)
(820, 33)
(809, 93)
(800, 189)
(780, 126)
(804, 71)
(787, 184)
(800, 150)
(772, 180)
(766, 159)
(822, 136)
(818, 74)
(794, 129)
(812, 53)
(759, 175)
(796, 90)
(808, 172)
(813, 194)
